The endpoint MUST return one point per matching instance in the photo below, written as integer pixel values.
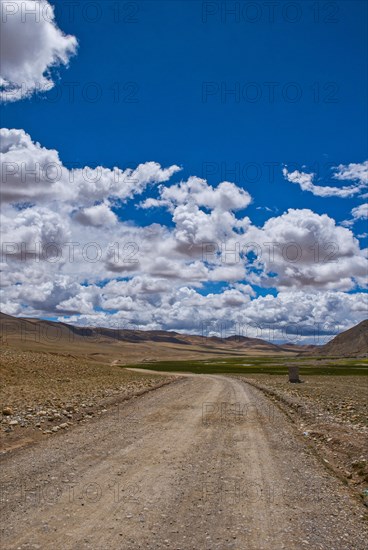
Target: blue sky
(169, 53)
(175, 64)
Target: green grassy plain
(275, 365)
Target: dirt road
(206, 462)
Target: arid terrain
(97, 456)
(350, 343)
(41, 393)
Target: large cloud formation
(68, 252)
(31, 46)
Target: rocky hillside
(351, 343)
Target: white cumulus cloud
(34, 173)
(302, 249)
(225, 197)
(31, 45)
(98, 215)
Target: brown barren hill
(122, 346)
(350, 343)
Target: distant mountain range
(128, 346)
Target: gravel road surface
(206, 462)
